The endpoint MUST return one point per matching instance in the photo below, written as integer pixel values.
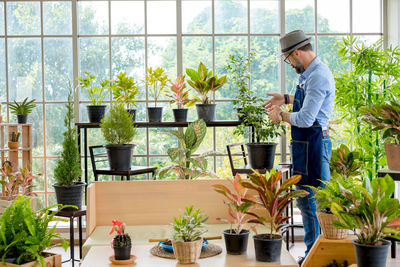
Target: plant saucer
(122, 262)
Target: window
(44, 44)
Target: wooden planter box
(52, 260)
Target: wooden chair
(98, 155)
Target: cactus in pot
(121, 243)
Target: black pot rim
(180, 109)
(243, 232)
(262, 144)
(258, 237)
(96, 106)
(386, 243)
(76, 184)
(155, 107)
(206, 105)
(120, 146)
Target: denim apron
(306, 147)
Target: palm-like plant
(273, 198)
(24, 108)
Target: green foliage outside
(68, 168)
(189, 226)
(24, 234)
(117, 126)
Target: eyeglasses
(286, 60)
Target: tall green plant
(68, 169)
(156, 80)
(96, 94)
(372, 80)
(124, 90)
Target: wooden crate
(325, 251)
(53, 260)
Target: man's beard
(298, 67)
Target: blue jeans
(307, 204)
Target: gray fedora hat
(293, 40)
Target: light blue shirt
(319, 89)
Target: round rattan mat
(209, 250)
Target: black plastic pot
(119, 156)
(267, 250)
(133, 113)
(371, 256)
(180, 114)
(206, 111)
(22, 119)
(261, 155)
(70, 195)
(122, 253)
(154, 114)
(236, 244)
(96, 113)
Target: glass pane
(328, 53)
(196, 50)
(225, 46)
(3, 89)
(208, 142)
(224, 112)
(55, 128)
(230, 16)
(299, 15)
(51, 199)
(264, 16)
(57, 68)
(224, 168)
(50, 165)
(1, 18)
(93, 58)
(23, 18)
(196, 16)
(128, 56)
(40, 203)
(225, 136)
(160, 141)
(57, 18)
(25, 72)
(162, 53)
(334, 16)
(127, 17)
(161, 17)
(38, 170)
(93, 17)
(140, 140)
(367, 16)
(368, 39)
(265, 65)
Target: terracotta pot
(13, 145)
(187, 252)
(393, 156)
(328, 229)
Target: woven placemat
(209, 250)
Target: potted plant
(180, 97)
(67, 173)
(118, 131)
(386, 117)
(95, 110)
(156, 80)
(262, 151)
(183, 163)
(274, 197)
(187, 240)
(25, 235)
(236, 238)
(14, 140)
(22, 110)
(121, 243)
(204, 82)
(239, 67)
(372, 216)
(124, 90)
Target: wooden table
(98, 256)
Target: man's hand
(276, 100)
(273, 114)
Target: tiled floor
(297, 250)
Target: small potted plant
(274, 197)
(25, 234)
(95, 110)
(183, 163)
(118, 131)
(121, 243)
(156, 80)
(386, 117)
(372, 216)
(14, 140)
(236, 238)
(262, 151)
(180, 97)
(204, 82)
(124, 90)
(22, 110)
(187, 240)
(67, 173)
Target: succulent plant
(15, 136)
(121, 239)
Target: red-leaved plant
(16, 182)
(178, 95)
(274, 197)
(237, 204)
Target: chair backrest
(97, 155)
(236, 153)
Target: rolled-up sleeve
(314, 97)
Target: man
(312, 107)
